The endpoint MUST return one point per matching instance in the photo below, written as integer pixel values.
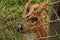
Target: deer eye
(34, 19)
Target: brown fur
(37, 27)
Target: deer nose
(20, 28)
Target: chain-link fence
(10, 17)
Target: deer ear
(44, 4)
(27, 8)
(41, 7)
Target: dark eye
(33, 19)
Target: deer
(34, 26)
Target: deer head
(33, 16)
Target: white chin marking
(31, 36)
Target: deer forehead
(34, 6)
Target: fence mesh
(10, 17)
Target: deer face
(29, 24)
(33, 20)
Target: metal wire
(6, 35)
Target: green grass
(10, 17)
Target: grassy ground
(10, 17)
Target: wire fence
(10, 17)
(53, 31)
